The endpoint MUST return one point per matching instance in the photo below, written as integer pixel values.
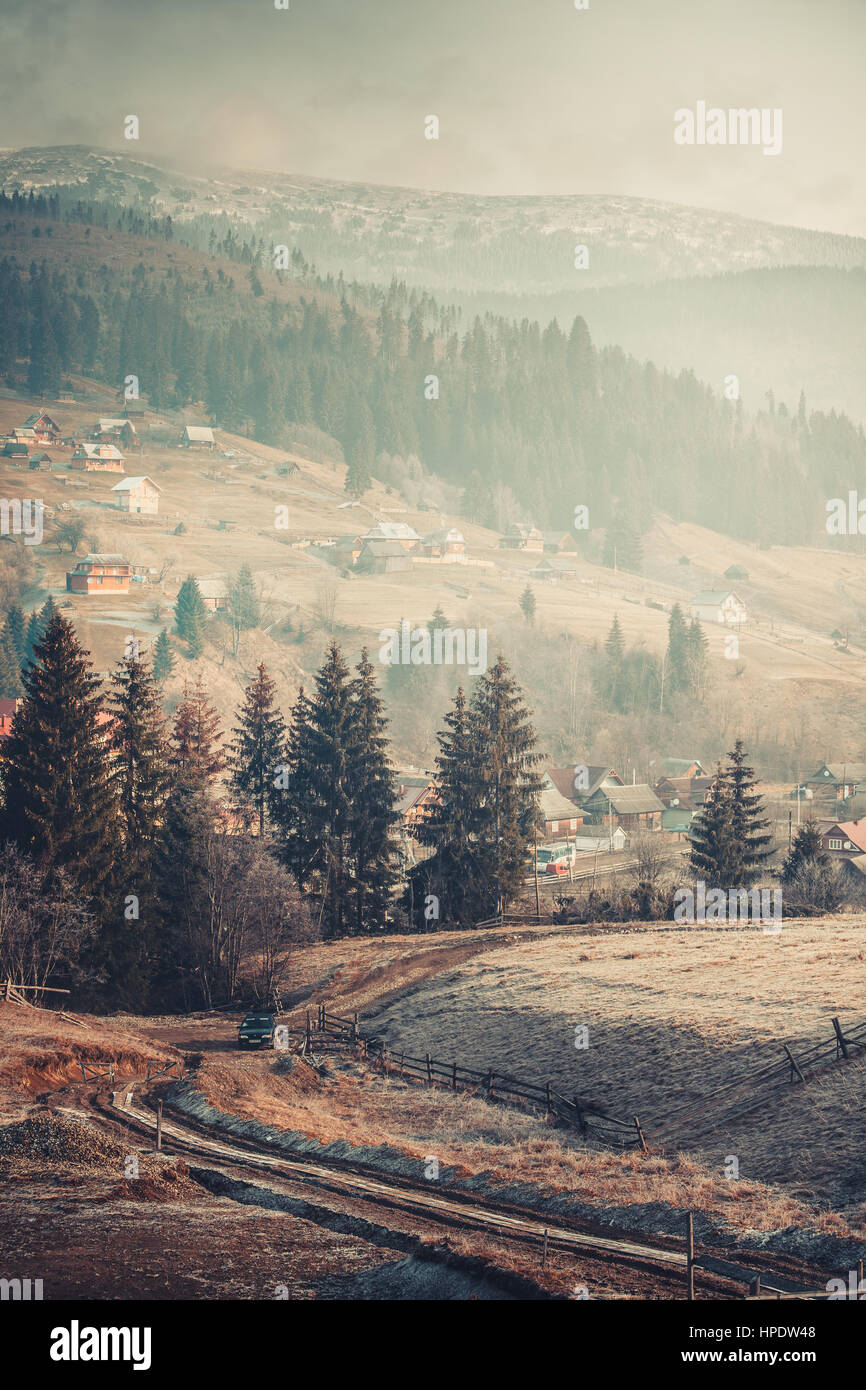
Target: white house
(138, 495)
(718, 606)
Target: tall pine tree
(258, 751)
(58, 800)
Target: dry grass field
(671, 1016)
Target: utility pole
(537, 903)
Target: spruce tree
(751, 829)
(805, 853)
(453, 870)
(508, 786)
(10, 670)
(527, 605)
(140, 760)
(372, 839)
(58, 803)
(697, 658)
(712, 853)
(17, 631)
(163, 658)
(190, 616)
(318, 814)
(676, 660)
(196, 736)
(259, 747)
(36, 628)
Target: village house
(447, 545)
(104, 458)
(843, 839)
(677, 820)
(687, 792)
(551, 569)
(634, 808)
(8, 710)
(559, 543)
(520, 535)
(677, 767)
(416, 793)
(580, 781)
(40, 460)
(559, 814)
(137, 495)
(25, 436)
(197, 437)
(718, 606)
(45, 429)
(214, 592)
(383, 557)
(100, 574)
(11, 450)
(343, 551)
(397, 531)
(116, 430)
(836, 781)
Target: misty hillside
(445, 241)
(529, 423)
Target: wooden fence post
(794, 1067)
(454, 1076)
(158, 1126)
(355, 1028)
(544, 1251)
(429, 1071)
(83, 1072)
(690, 1255)
(308, 1040)
(489, 1085)
(840, 1038)
(640, 1136)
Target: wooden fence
(330, 1031)
(789, 1068)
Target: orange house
(100, 574)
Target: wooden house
(634, 808)
(550, 569)
(13, 450)
(397, 531)
(45, 429)
(116, 430)
(520, 535)
(416, 793)
(198, 437)
(93, 458)
(215, 593)
(383, 557)
(137, 495)
(447, 545)
(836, 781)
(559, 814)
(843, 839)
(559, 543)
(690, 793)
(100, 574)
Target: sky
(532, 96)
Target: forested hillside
(532, 420)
